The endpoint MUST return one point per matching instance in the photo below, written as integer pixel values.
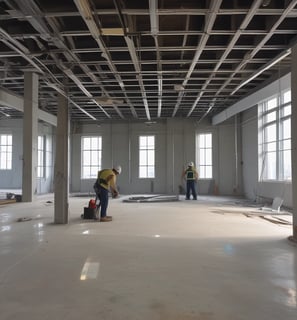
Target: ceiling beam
(11, 100)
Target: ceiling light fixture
(179, 87)
(109, 101)
(149, 123)
(113, 31)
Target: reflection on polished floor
(185, 260)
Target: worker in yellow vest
(191, 177)
(106, 181)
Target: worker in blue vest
(191, 177)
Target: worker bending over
(106, 181)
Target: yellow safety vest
(106, 178)
(191, 174)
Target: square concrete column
(30, 135)
(294, 138)
(61, 181)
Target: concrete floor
(186, 260)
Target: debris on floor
(275, 207)
(23, 219)
(277, 220)
(49, 203)
(4, 201)
(155, 198)
(273, 214)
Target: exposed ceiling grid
(131, 60)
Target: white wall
(253, 187)
(249, 127)
(175, 147)
(12, 179)
(45, 184)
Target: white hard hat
(191, 164)
(118, 169)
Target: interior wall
(175, 147)
(249, 127)
(175, 141)
(253, 187)
(45, 184)
(226, 161)
(12, 179)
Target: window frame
(41, 156)
(146, 157)
(93, 166)
(6, 151)
(201, 151)
(272, 153)
(48, 155)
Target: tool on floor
(91, 211)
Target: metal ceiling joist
(250, 55)
(244, 24)
(165, 12)
(86, 13)
(210, 19)
(147, 61)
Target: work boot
(106, 219)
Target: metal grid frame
(144, 60)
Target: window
(5, 151)
(91, 152)
(275, 137)
(204, 155)
(48, 156)
(40, 157)
(146, 157)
